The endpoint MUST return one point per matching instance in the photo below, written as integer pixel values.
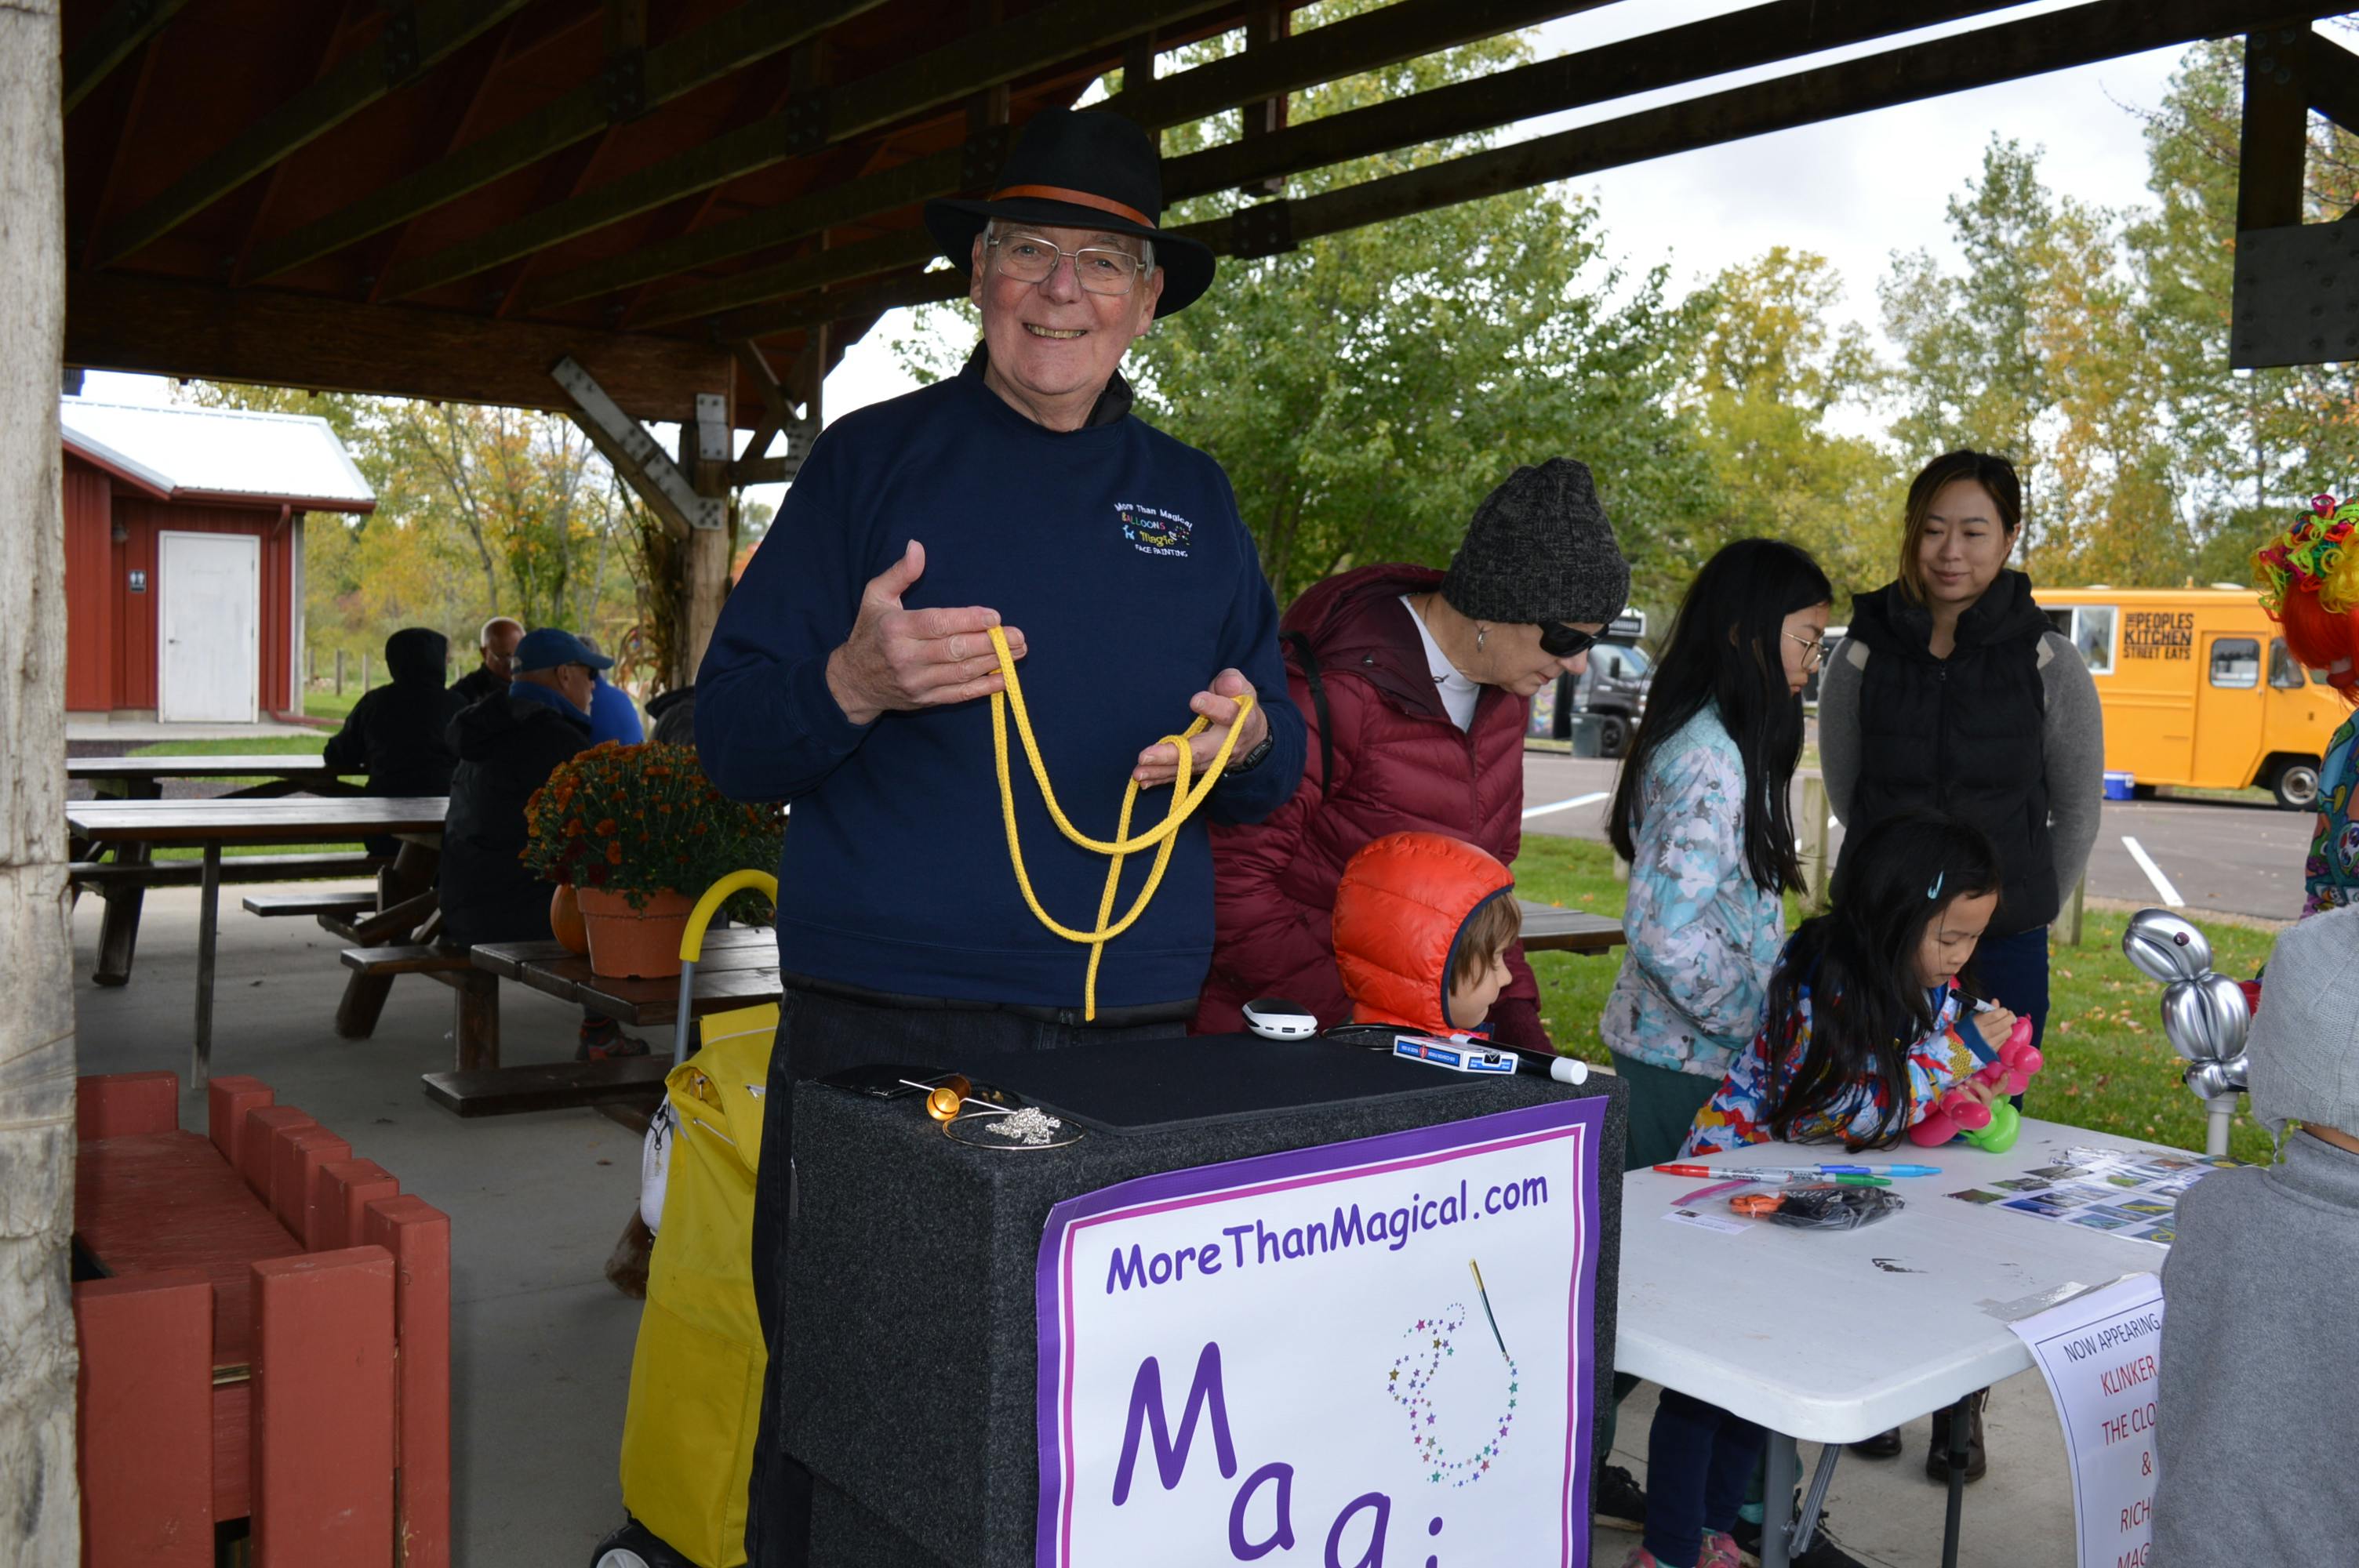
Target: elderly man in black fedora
(847, 673)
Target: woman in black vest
(1952, 691)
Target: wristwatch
(1253, 759)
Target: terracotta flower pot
(635, 944)
(565, 919)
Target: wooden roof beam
(669, 71)
(2330, 74)
(413, 40)
(1737, 40)
(1762, 35)
(2087, 33)
(116, 38)
(1056, 32)
(1342, 49)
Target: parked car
(1613, 687)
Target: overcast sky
(1854, 191)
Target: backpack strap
(1309, 659)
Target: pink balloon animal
(1991, 1128)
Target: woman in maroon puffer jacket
(1416, 684)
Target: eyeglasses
(1814, 650)
(1099, 269)
(1562, 642)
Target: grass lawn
(2108, 1067)
(328, 705)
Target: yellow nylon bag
(696, 1374)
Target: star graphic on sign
(1396, 1376)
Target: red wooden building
(184, 557)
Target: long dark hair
(1727, 646)
(1858, 963)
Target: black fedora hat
(1080, 170)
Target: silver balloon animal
(2204, 1014)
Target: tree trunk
(40, 1496)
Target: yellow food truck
(2199, 690)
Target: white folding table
(1833, 1337)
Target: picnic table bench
(141, 825)
(142, 778)
(265, 1333)
(1549, 928)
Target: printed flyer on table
(2125, 1191)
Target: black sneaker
(1823, 1552)
(1620, 1500)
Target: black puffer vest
(1961, 735)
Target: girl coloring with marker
(1867, 1026)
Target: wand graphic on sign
(1483, 1290)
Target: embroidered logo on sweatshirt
(1152, 531)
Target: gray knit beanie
(2304, 1046)
(1539, 551)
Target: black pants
(820, 1034)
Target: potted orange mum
(637, 832)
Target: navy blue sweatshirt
(1119, 554)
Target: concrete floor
(541, 1344)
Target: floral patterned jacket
(2331, 876)
(1702, 935)
(1738, 1112)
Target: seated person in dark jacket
(507, 747)
(400, 732)
(498, 641)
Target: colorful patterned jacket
(1702, 935)
(2331, 877)
(1738, 1112)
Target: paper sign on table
(1289, 1357)
(2102, 1355)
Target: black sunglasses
(1562, 642)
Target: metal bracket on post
(980, 159)
(712, 428)
(623, 87)
(400, 40)
(635, 454)
(805, 117)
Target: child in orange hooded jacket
(1423, 926)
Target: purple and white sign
(1369, 1354)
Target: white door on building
(208, 656)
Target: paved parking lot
(2212, 855)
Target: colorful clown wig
(2309, 585)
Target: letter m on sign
(1147, 1414)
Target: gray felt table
(908, 1377)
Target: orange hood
(1398, 911)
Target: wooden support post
(146, 1395)
(418, 1237)
(324, 1416)
(712, 433)
(1267, 23)
(340, 672)
(2073, 910)
(2276, 137)
(1813, 842)
(42, 1523)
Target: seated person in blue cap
(507, 747)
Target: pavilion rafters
(1369, 43)
(118, 35)
(1045, 37)
(669, 70)
(409, 42)
(2083, 34)
(1762, 35)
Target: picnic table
(1550, 928)
(1932, 1287)
(142, 778)
(214, 825)
(740, 969)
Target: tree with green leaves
(1367, 391)
(1772, 369)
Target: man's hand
(1159, 764)
(1995, 1026)
(899, 659)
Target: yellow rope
(1161, 838)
